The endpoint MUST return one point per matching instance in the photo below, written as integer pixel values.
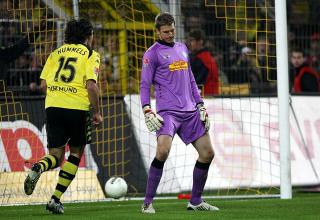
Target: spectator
(11, 53)
(314, 57)
(193, 22)
(265, 51)
(245, 70)
(203, 65)
(231, 55)
(19, 74)
(240, 69)
(303, 78)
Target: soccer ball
(116, 187)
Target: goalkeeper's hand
(204, 116)
(152, 119)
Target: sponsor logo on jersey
(178, 65)
(67, 89)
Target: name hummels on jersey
(72, 49)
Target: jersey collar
(165, 43)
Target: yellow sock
(66, 175)
(47, 162)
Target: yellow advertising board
(84, 187)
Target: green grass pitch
(303, 206)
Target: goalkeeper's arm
(204, 115)
(152, 119)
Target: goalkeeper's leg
(155, 172)
(154, 177)
(206, 154)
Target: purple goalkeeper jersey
(167, 67)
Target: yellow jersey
(66, 72)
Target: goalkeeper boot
(203, 206)
(55, 207)
(32, 179)
(148, 209)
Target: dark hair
(77, 31)
(198, 34)
(298, 50)
(164, 18)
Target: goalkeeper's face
(166, 33)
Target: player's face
(166, 33)
(297, 59)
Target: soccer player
(69, 79)
(180, 110)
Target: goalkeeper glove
(152, 119)
(204, 116)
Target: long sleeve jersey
(167, 67)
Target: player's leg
(164, 143)
(193, 131)
(78, 127)
(66, 175)
(200, 172)
(205, 150)
(49, 161)
(56, 141)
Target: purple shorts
(187, 125)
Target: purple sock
(152, 184)
(199, 180)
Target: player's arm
(93, 93)
(152, 119)
(147, 76)
(200, 104)
(92, 72)
(43, 86)
(194, 87)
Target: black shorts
(68, 126)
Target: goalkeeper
(69, 80)
(180, 110)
